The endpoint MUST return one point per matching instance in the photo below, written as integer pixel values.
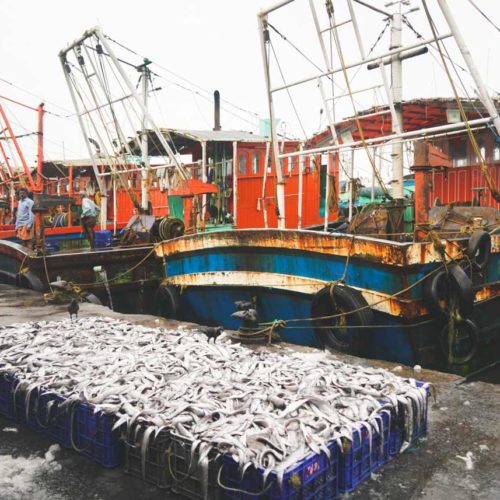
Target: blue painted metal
(360, 273)
(395, 338)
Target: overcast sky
(213, 44)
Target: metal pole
(397, 91)
(320, 36)
(351, 186)
(18, 149)
(360, 63)
(373, 173)
(301, 181)
(115, 204)
(180, 169)
(327, 193)
(280, 185)
(100, 182)
(275, 7)
(235, 183)
(204, 179)
(385, 139)
(483, 93)
(264, 182)
(39, 181)
(144, 139)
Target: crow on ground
(73, 308)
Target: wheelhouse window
(482, 151)
(255, 163)
(496, 152)
(458, 152)
(242, 164)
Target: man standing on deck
(89, 217)
(25, 219)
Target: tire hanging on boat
(167, 302)
(341, 333)
(30, 280)
(449, 291)
(479, 249)
(463, 344)
(167, 228)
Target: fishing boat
(413, 279)
(61, 262)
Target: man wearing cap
(89, 215)
(25, 219)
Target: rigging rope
(331, 18)
(484, 167)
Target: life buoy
(479, 249)
(447, 292)
(465, 342)
(167, 302)
(340, 333)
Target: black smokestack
(216, 110)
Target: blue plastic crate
(398, 433)
(55, 419)
(93, 436)
(155, 467)
(357, 462)
(27, 409)
(103, 239)
(7, 382)
(314, 477)
(186, 475)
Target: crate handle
(237, 490)
(73, 406)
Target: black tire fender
(168, 301)
(444, 291)
(463, 329)
(479, 249)
(93, 299)
(345, 299)
(30, 280)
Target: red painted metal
(39, 183)
(18, 149)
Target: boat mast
(143, 68)
(280, 183)
(469, 61)
(397, 97)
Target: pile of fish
(269, 409)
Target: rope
(484, 168)
(288, 92)
(484, 15)
(344, 326)
(124, 273)
(331, 18)
(362, 308)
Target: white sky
(214, 44)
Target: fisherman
(89, 217)
(25, 219)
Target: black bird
(73, 308)
(212, 332)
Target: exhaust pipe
(216, 110)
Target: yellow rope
(484, 168)
(331, 16)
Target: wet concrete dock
(462, 420)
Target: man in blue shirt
(89, 217)
(25, 219)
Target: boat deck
(464, 418)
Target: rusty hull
(363, 247)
